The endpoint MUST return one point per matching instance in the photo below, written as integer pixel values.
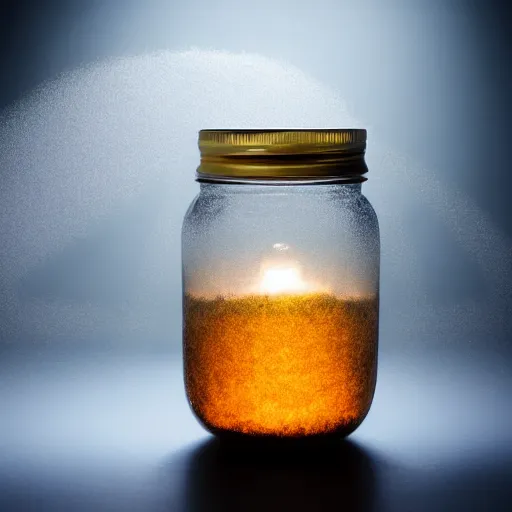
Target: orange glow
(283, 365)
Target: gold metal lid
(282, 155)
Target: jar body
(281, 290)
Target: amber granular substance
(286, 366)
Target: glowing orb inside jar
(282, 280)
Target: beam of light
(90, 144)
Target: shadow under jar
(281, 284)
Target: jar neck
(288, 182)
(266, 187)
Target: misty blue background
(97, 164)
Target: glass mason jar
(281, 284)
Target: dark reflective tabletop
(102, 431)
